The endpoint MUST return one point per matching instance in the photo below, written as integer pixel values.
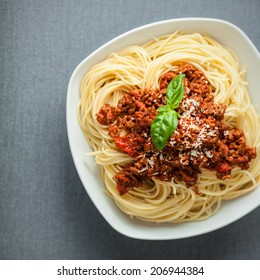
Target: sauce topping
(201, 139)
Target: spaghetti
(141, 67)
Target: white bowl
(224, 32)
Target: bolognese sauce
(201, 140)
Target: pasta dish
(172, 127)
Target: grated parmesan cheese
(209, 154)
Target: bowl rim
(114, 225)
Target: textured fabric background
(45, 212)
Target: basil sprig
(166, 120)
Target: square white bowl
(225, 33)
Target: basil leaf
(162, 128)
(175, 91)
(166, 120)
(163, 109)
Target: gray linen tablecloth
(45, 212)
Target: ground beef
(201, 140)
